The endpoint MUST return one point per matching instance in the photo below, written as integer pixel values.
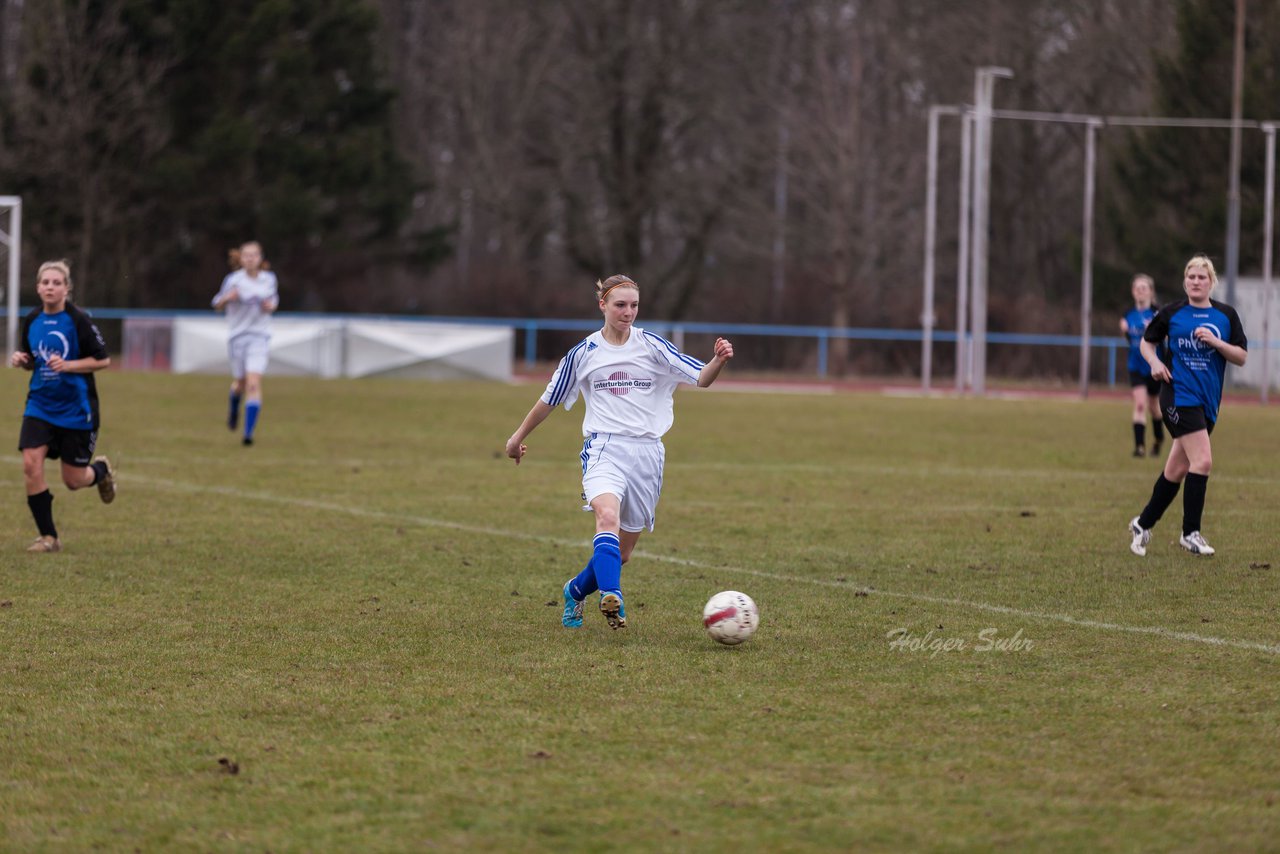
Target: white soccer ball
(730, 617)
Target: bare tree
(85, 119)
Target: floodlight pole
(984, 94)
(963, 363)
(13, 241)
(1086, 259)
(927, 318)
(1233, 191)
(1268, 227)
(930, 238)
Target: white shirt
(627, 388)
(245, 316)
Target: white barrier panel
(1249, 304)
(356, 348)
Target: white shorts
(248, 355)
(628, 468)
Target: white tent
(356, 348)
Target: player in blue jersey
(249, 296)
(62, 348)
(1201, 336)
(1146, 389)
(627, 377)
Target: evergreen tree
(281, 131)
(1170, 197)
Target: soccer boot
(1140, 536)
(572, 616)
(45, 544)
(107, 485)
(614, 611)
(1195, 544)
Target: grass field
(360, 616)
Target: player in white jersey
(249, 295)
(627, 377)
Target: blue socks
(251, 417)
(584, 584)
(233, 416)
(607, 562)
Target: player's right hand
(19, 359)
(516, 449)
(1160, 371)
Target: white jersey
(245, 315)
(628, 389)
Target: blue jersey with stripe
(1136, 321)
(1197, 369)
(61, 398)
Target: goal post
(11, 238)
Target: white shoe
(1141, 537)
(1195, 544)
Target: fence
(532, 329)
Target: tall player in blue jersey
(1201, 335)
(627, 378)
(62, 348)
(1146, 389)
(249, 296)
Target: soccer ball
(730, 617)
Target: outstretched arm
(711, 370)
(515, 445)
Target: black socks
(1193, 501)
(42, 509)
(1162, 495)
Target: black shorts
(1181, 420)
(73, 447)
(1153, 385)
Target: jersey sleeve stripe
(671, 348)
(568, 374)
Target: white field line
(427, 521)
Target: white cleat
(1195, 544)
(1141, 537)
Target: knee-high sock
(1193, 501)
(607, 560)
(1162, 495)
(1139, 435)
(233, 410)
(584, 584)
(1157, 429)
(41, 506)
(251, 417)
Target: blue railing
(822, 335)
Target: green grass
(361, 612)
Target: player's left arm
(93, 350)
(723, 353)
(86, 365)
(1233, 353)
(272, 302)
(1236, 349)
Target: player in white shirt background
(627, 378)
(249, 296)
